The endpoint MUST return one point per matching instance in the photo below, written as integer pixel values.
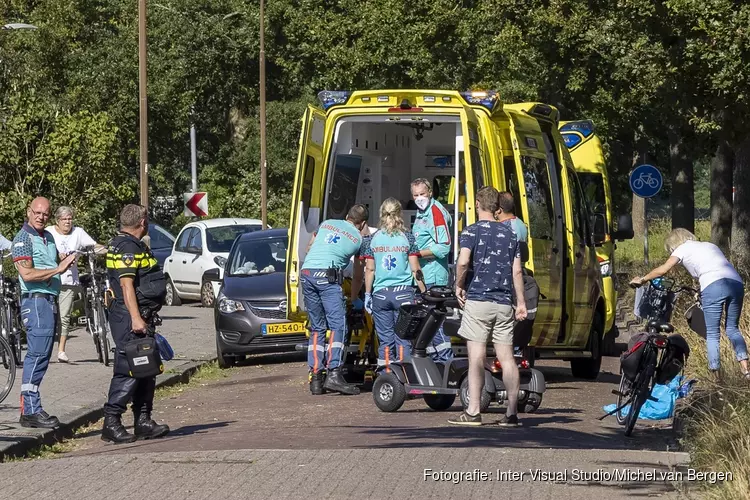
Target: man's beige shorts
(480, 319)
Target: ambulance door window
(539, 198)
(512, 185)
(476, 168)
(307, 183)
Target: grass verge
(206, 373)
(716, 418)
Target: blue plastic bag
(165, 350)
(666, 396)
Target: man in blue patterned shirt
(490, 249)
(35, 256)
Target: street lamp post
(143, 100)
(263, 198)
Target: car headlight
(605, 268)
(220, 261)
(229, 306)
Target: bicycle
(655, 358)
(96, 288)
(645, 179)
(10, 313)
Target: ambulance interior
(375, 158)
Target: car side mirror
(523, 247)
(600, 228)
(624, 228)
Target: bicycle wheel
(7, 369)
(641, 391)
(621, 398)
(17, 331)
(104, 344)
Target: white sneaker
(62, 357)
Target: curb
(21, 445)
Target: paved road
(70, 387)
(259, 434)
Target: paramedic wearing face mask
(432, 231)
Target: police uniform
(432, 231)
(393, 287)
(336, 242)
(128, 257)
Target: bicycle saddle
(660, 326)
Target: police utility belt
(335, 276)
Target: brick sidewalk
(347, 474)
(69, 389)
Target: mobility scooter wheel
(532, 403)
(484, 401)
(439, 402)
(388, 392)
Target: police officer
(139, 289)
(328, 253)
(392, 266)
(432, 230)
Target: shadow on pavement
(527, 436)
(274, 359)
(198, 429)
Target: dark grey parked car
(250, 311)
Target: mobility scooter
(419, 376)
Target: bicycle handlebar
(680, 289)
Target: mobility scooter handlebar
(440, 296)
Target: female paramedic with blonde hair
(392, 266)
(721, 289)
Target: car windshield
(261, 256)
(220, 239)
(159, 237)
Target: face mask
(422, 202)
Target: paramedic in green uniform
(432, 232)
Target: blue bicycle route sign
(646, 181)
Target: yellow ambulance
(588, 157)
(366, 146)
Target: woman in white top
(68, 239)
(4, 243)
(721, 289)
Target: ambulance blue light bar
(571, 139)
(584, 127)
(330, 98)
(486, 99)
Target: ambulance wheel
(484, 400)
(588, 368)
(440, 402)
(388, 392)
(531, 404)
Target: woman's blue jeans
(720, 296)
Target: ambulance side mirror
(624, 228)
(600, 228)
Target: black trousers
(123, 387)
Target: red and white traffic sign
(196, 204)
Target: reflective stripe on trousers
(385, 306)
(326, 310)
(38, 316)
